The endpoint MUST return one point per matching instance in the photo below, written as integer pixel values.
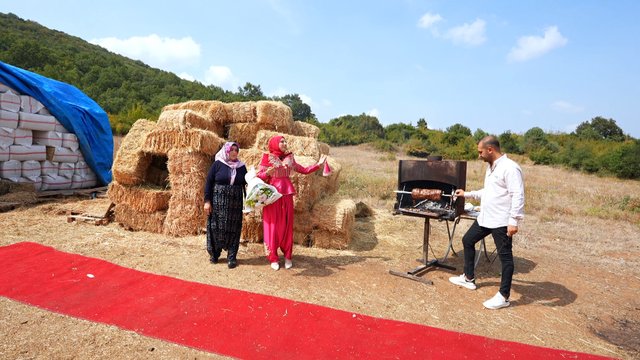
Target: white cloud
(221, 76)
(306, 99)
(428, 20)
(156, 51)
(470, 34)
(186, 76)
(374, 112)
(566, 107)
(529, 47)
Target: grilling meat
(426, 194)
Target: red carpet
(226, 321)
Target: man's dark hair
(492, 141)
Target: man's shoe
(462, 281)
(288, 264)
(213, 260)
(496, 302)
(275, 266)
(232, 264)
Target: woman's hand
(207, 208)
(322, 160)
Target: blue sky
(493, 65)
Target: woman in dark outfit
(223, 195)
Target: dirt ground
(576, 283)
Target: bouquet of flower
(259, 194)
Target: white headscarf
(223, 157)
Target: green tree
(456, 133)
(300, 110)
(509, 143)
(600, 128)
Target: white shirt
(502, 198)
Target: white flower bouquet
(259, 194)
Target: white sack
(10, 169)
(48, 138)
(70, 141)
(31, 168)
(62, 154)
(22, 137)
(44, 111)
(49, 168)
(37, 121)
(59, 128)
(29, 104)
(66, 169)
(82, 168)
(8, 119)
(4, 153)
(10, 101)
(55, 182)
(6, 137)
(84, 182)
(24, 152)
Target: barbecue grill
(426, 189)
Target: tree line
(129, 90)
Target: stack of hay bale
(160, 170)
(36, 149)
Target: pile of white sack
(35, 148)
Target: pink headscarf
(274, 147)
(223, 157)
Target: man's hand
(511, 230)
(459, 192)
(207, 208)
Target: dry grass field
(576, 284)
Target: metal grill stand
(427, 264)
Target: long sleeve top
(220, 174)
(502, 198)
(280, 178)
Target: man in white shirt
(502, 207)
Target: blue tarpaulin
(76, 111)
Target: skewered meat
(426, 194)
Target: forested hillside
(129, 90)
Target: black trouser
(504, 246)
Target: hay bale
(131, 162)
(212, 110)
(187, 175)
(308, 187)
(243, 133)
(143, 199)
(324, 148)
(161, 141)
(137, 221)
(251, 157)
(363, 210)
(298, 145)
(252, 230)
(274, 115)
(184, 119)
(304, 129)
(333, 221)
(241, 112)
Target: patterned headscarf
(274, 147)
(223, 157)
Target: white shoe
(496, 302)
(275, 266)
(288, 264)
(462, 281)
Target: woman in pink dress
(277, 218)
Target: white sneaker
(288, 264)
(462, 281)
(275, 266)
(496, 302)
